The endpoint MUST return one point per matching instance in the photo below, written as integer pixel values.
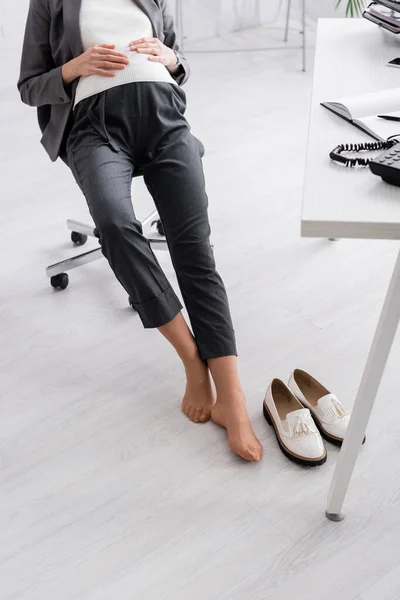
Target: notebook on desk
(361, 111)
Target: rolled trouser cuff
(159, 310)
(216, 343)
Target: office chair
(80, 232)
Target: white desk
(351, 203)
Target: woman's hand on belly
(98, 59)
(157, 51)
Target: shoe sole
(327, 436)
(294, 457)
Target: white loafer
(295, 430)
(330, 416)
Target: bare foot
(232, 415)
(199, 395)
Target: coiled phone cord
(336, 154)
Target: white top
(117, 22)
(344, 202)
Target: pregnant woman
(106, 77)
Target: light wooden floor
(107, 491)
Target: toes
(197, 415)
(248, 452)
(192, 413)
(256, 453)
(204, 417)
(253, 455)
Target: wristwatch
(178, 58)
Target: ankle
(192, 361)
(232, 396)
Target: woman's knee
(200, 145)
(194, 259)
(116, 225)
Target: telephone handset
(386, 164)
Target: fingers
(113, 59)
(113, 54)
(144, 39)
(105, 64)
(148, 50)
(98, 71)
(124, 60)
(107, 58)
(150, 43)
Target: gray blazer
(52, 38)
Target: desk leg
(287, 20)
(304, 32)
(377, 358)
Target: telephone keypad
(387, 166)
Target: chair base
(80, 232)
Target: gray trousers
(141, 125)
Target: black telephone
(386, 164)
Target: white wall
(206, 18)
(202, 18)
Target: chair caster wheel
(131, 305)
(159, 226)
(78, 238)
(59, 281)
